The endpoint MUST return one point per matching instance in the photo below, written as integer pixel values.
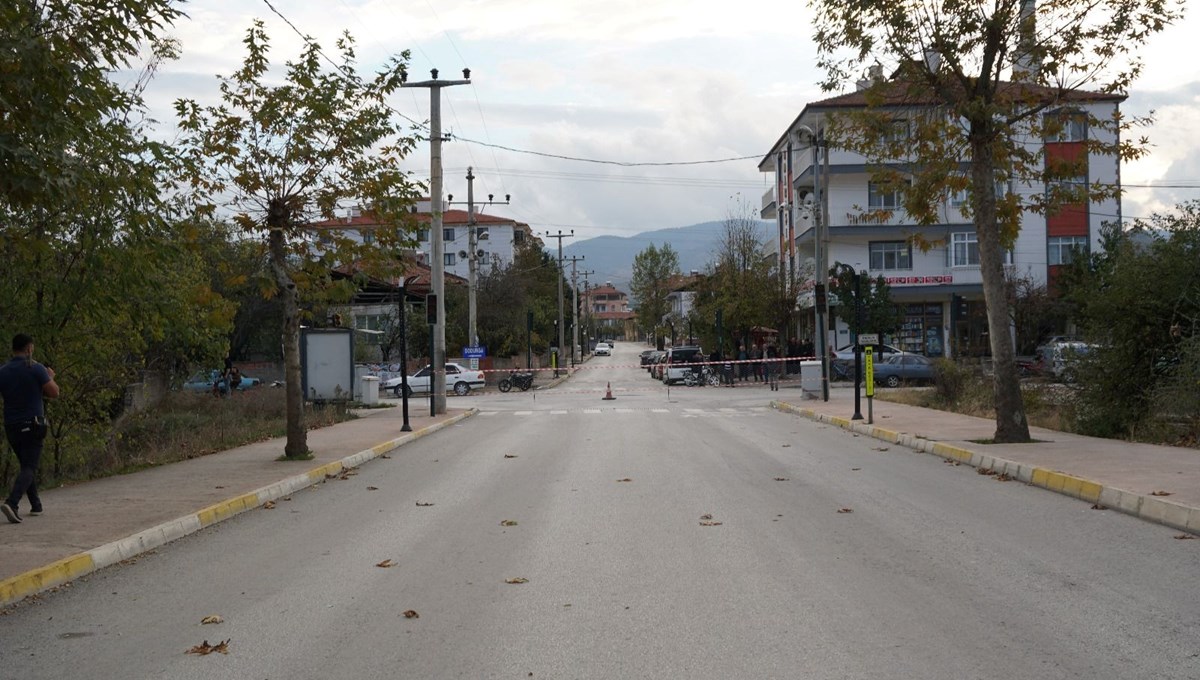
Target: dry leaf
(218, 487)
(385, 457)
(1097, 506)
(855, 469)
(212, 619)
(1160, 493)
(269, 505)
(423, 505)
(985, 471)
(1003, 477)
(625, 480)
(286, 498)
(781, 479)
(706, 516)
(710, 524)
(880, 448)
(787, 446)
(508, 523)
(510, 455)
(1184, 537)
(386, 564)
(204, 649)
(844, 511)
(411, 614)
(372, 488)
(516, 579)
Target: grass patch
(189, 425)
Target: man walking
(23, 385)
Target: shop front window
(922, 328)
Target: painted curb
(70, 568)
(1149, 508)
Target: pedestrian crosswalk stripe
(660, 410)
(522, 413)
(592, 410)
(558, 413)
(745, 412)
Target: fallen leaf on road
(516, 579)
(411, 614)
(1097, 506)
(372, 488)
(844, 511)
(625, 480)
(386, 564)
(204, 649)
(508, 523)
(880, 448)
(1184, 537)
(781, 479)
(385, 457)
(787, 446)
(510, 455)
(1160, 493)
(212, 619)
(423, 505)
(855, 469)
(1003, 477)
(710, 523)
(286, 498)
(269, 505)
(705, 516)
(218, 487)
(985, 471)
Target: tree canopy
(653, 270)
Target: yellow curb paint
(1040, 477)
(23, 585)
(1055, 481)
(1090, 491)
(1071, 485)
(840, 422)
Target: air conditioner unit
(462, 254)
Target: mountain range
(611, 257)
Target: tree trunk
(297, 433)
(1011, 426)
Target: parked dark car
(660, 365)
(904, 368)
(645, 356)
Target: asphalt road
(827, 555)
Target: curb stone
(1149, 508)
(70, 568)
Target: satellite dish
(481, 254)
(462, 254)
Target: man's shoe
(11, 513)
(35, 512)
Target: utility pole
(561, 330)
(587, 310)
(473, 252)
(575, 310)
(437, 265)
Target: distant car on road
(847, 353)
(459, 379)
(202, 381)
(904, 368)
(603, 349)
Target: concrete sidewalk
(1157, 483)
(95, 524)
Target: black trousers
(26, 440)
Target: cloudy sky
(633, 81)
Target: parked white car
(603, 349)
(459, 379)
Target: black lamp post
(403, 355)
(858, 322)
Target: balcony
(768, 204)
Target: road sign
(474, 352)
(865, 339)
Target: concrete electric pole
(473, 253)
(561, 330)
(587, 311)
(437, 264)
(575, 310)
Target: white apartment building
(497, 238)
(807, 185)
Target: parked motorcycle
(522, 381)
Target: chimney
(1026, 64)
(873, 75)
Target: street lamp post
(403, 315)
(858, 321)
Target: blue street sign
(471, 352)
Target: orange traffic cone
(608, 395)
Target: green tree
(741, 282)
(880, 314)
(282, 156)
(948, 60)
(653, 269)
(1139, 301)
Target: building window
(880, 199)
(1073, 127)
(1064, 249)
(964, 249)
(1070, 190)
(448, 234)
(423, 235)
(887, 255)
(481, 233)
(898, 132)
(368, 238)
(518, 236)
(448, 259)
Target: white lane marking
(592, 410)
(490, 413)
(623, 410)
(693, 410)
(558, 413)
(660, 410)
(522, 413)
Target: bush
(949, 380)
